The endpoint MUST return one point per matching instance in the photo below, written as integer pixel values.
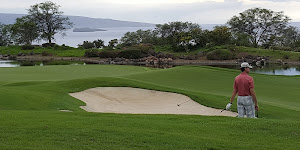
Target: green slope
(30, 98)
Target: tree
(24, 31)
(99, 43)
(178, 34)
(290, 37)
(220, 35)
(5, 35)
(87, 45)
(241, 39)
(261, 25)
(185, 40)
(200, 37)
(49, 20)
(139, 37)
(112, 43)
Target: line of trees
(43, 21)
(256, 27)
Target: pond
(13, 63)
(269, 69)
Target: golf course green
(31, 99)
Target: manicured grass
(69, 52)
(30, 98)
(65, 130)
(65, 72)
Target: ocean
(74, 38)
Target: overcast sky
(160, 11)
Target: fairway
(31, 97)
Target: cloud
(278, 0)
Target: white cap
(246, 65)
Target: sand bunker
(141, 101)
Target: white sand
(141, 101)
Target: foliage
(27, 47)
(49, 19)
(95, 44)
(91, 53)
(144, 47)
(45, 53)
(262, 26)
(220, 35)
(25, 31)
(62, 47)
(5, 35)
(241, 39)
(99, 43)
(133, 54)
(108, 54)
(48, 44)
(179, 34)
(286, 56)
(139, 37)
(112, 43)
(220, 54)
(88, 45)
(290, 37)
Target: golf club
(257, 114)
(183, 103)
(220, 112)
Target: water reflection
(283, 71)
(12, 63)
(269, 69)
(8, 63)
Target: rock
(12, 57)
(117, 59)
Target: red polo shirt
(243, 83)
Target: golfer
(244, 87)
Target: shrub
(133, 54)
(48, 44)
(27, 47)
(286, 56)
(297, 49)
(45, 53)
(231, 47)
(88, 45)
(220, 54)
(108, 54)
(91, 53)
(210, 45)
(63, 47)
(144, 47)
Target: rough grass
(30, 98)
(79, 52)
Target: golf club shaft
(183, 103)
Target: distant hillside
(83, 22)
